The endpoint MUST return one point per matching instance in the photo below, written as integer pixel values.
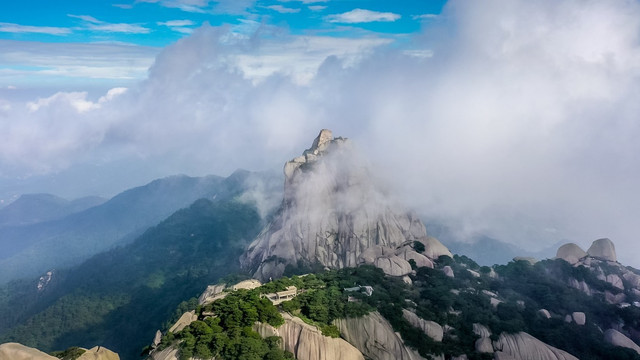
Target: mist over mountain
(31, 250)
(36, 208)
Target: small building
(282, 296)
(368, 290)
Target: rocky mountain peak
(603, 249)
(335, 215)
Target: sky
(516, 119)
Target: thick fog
(514, 119)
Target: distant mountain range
(38, 237)
(36, 208)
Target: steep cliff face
(374, 337)
(306, 342)
(332, 212)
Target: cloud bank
(521, 124)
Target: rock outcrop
(211, 294)
(579, 317)
(571, 253)
(616, 338)
(169, 353)
(374, 337)
(603, 249)
(99, 353)
(186, 319)
(431, 328)
(544, 313)
(15, 351)
(447, 270)
(332, 212)
(523, 346)
(306, 342)
(483, 344)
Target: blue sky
(121, 32)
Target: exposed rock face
(374, 337)
(332, 212)
(407, 253)
(571, 253)
(307, 342)
(616, 338)
(603, 249)
(393, 265)
(430, 328)
(580, 285)
(612, 298)
(483, 344)
(579, 317)
(211, 294)
(615, 280)
(523, 346)
(157, 339)
(447, 270)
(15, 351)
(544, 313)
(434, 248)
(169, 353)
(186, 319)
(99, 353)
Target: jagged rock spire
(334, 215)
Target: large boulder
(603, 249)
(523, 346)
(15, 351)
(483, 344)
(570, 253)
(616, 338)
(306, 342)
(434, 248)
(579, 317)
(374, 337)
(407, 253)
(393, 265)
(431, 328)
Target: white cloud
(93, 24)
(26, 63)
(523, 118)
(424, 17)
(306, 1)
(16, 28)
(362, 16)
(174, 23)
(195, 6)
(120, 28)
(317, 7)
(283, 10)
